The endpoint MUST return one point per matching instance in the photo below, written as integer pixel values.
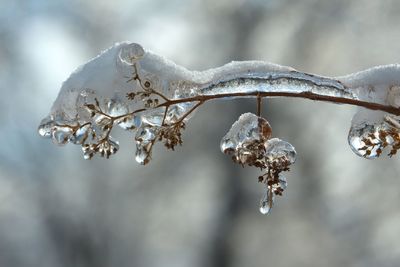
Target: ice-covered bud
(45, 127)
(61, 134)
(372, 132)
(245, 139)
(267, 201)
(131, 53)
(277, 150)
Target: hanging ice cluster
(374, 131)
(123, 86)
(139, 91)
(249, 143)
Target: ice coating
(246, 134)
(249, 143)
(373, 132)
(267, 201)
(277, 149)
(129, 86)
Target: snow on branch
(154, 98)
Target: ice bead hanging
(249, 143)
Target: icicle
(267, 201)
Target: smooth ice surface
(276, 149)
(245, 137)
(267, 201)
(371, 132)
(248, 128)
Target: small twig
(165, 115)
(160, 95)
(259, 102)
(190, 111)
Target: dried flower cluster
(378, 138)
(154, 98)
(249, 143)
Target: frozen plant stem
(259, 105)
(154, 98)
(307, 95)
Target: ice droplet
(102, 120)
(88, 151)
(372, 132)
(85, 97)
(145, 134)
(282, 183)
(174, 113)
(130, 122)
(108, 148)
(276, 149)
(247, 129)
(267, 201)
(116, 108)
(153, 117)
(45, 127)
(145, 137)
(130, 53)
(61, 135)
(227, 146)
(80, 135)
(143, 152)
(356, 138)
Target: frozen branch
(153, 97)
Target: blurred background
(194, 206)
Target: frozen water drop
(365, 137)
(85, 97)
(174, 113)
(80, 135)
(61, 135)
(114, 146)
(145, 134)
(276, 149)
(130, 122)
(282, 183)
(45, 127)
(227, 146)
(142, 155)
(130, 53)
(153, 117)
(116, 108)
(245, 139)
(102, 120)
(365, 142)
(267, 201)
(249, 127)
(88, 150)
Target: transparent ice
(128, 68)
(245, 135)
(267, 201)
(276, 149)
